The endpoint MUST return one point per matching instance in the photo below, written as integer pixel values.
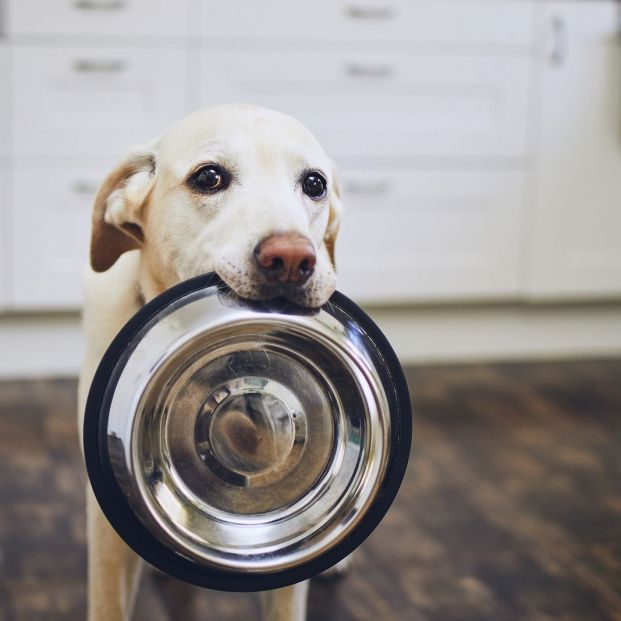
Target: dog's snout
(286, 257)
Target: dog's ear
(119, 204)
(334, 219)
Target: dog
(243, 191)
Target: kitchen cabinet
(129, 18)
(479, 142)
(426, 109)
(82, 100)
(5, 149)
(5, 118)
(491, 24)
(576, 224)
(430, 235)
(364, 105)
(5, 215)
(50, 233)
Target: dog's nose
(286, 257)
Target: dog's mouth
(278, 304)
(252, 288)
(281, 296)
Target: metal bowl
(246, 446)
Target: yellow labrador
(241, 190)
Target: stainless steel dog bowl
(244, 446)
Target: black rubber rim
(129, 527)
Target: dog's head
(241, 190)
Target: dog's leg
(113, 569)
(177, 598)
(340, 570)
(287, 604)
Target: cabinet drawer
(384, 105)
(4, 101)
(93, 100)
(98, 17)
(478, 22)
(51, 224)
(427, 236)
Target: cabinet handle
(558, 51)
(368, 70)
(87, 65)
(84, 188)
(356, 11)
(99, 5)
(375, 187)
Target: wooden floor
(510, 511)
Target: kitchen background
(479, 143)
(479, 146)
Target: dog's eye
(209, 178)
(314, 185)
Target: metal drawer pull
(367, 70)
(379, 186)
(84, 188)
(85, 65)
(99, 5)
(369, 12)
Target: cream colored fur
(150, 232)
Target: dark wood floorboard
(510, 511)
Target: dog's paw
(340, 570)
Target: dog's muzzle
(246, 446)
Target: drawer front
(51, 223)
(487, 22)
(430, 236)
(4, 101)
(384, 105)
(92, 101)
(98, 17)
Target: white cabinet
(396, 105)
(576, 250)
(70, 101)
(5, 121)
(135, 18)
(428, 107)
(51, 233)
(420, 236)
(5, 207)
(479, 141)
(476, 23)
(5, 215)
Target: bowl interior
(246, 440)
